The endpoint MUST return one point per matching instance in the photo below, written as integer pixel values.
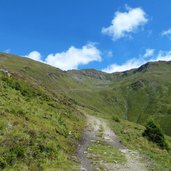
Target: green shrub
(2, 163)
(115, 118)
(155, 134)
(22, 87)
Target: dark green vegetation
(40, 118)
(154, 134)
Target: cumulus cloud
(74, 57)
(35, 55)
(125, 23)
(167, 33)
(71, 58)
(149, 53)
(137, 62)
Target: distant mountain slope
(134, 95)
(147, 92)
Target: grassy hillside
(38, 131)
(130, 135)
(40, 109)
(135, 95)
(147, 93)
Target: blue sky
(109, 35)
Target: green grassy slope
(147, 92)
(37, 73)
(38, 130)
(40, 118)
(134, 95)
(130, 135)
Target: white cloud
(130, 64)
(74, 57)
(163, 56)
(137, 62)
(167, 33)
(71, 58)
(125, 23)
(35, 55)
(149, 53)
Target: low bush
(115, 118)
(154, 133)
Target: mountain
(42, 108)
(134, 95)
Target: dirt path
(97, 133)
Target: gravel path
(96, 126)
